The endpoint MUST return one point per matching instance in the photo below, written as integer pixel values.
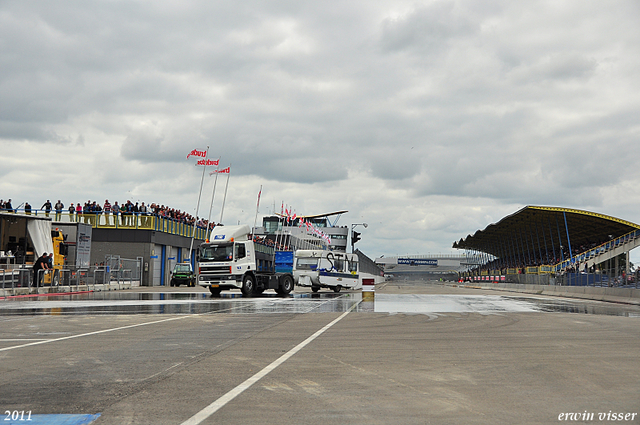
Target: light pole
(355, 236)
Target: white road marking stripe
(24, 339)
(222, 401)
(91, 333)
(108, 330)
(46, 341)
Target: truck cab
(233, 260)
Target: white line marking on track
(222, 401)
(108, 330)
(23, 339)
(162, 371)
(92, 333)
(46, 341)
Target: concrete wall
(619, 295)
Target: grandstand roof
(534, 229)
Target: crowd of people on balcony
(114, 213)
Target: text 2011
(17, 415)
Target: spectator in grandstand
(135, 213)
(97, 210)
(58, 207)
(128, 212)
(72, 210)
(107, 210)
(143, 212)
(85, 211)
(47, 207)
(27, 208)
(124, 214)
(115, 209)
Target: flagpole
(195, 222)
(255, 220)
(279, 236)
(225, 194)
(213, 194)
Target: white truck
(326, 269)
(232, 260)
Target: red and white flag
(197, 153)
(259, 193)
(225, 171)
(208, 162)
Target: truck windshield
(221, 252)
(307, 264)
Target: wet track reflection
(175, 303)
(235, 303)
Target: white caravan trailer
(326, 269)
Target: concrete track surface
(423, 353)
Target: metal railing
(15, 278)
(601, 280)
(598, 250)
(71, 278)
(144, 221)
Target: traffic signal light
(355, 237)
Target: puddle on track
(491, 304)
(175, 303)
(235, 303)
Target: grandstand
(428, 267)
(548, 242)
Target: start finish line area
(420, 353)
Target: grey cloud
(401, 164)
(557, 67)
(427, 28)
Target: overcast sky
(428, 120)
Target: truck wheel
(215, 291)
(171, 283)
(315, 288)
(248, 285)
(286, 285)
(337, 288)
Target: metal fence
(601, 280)
(124, 269)
(598, 280)
(115, 273)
